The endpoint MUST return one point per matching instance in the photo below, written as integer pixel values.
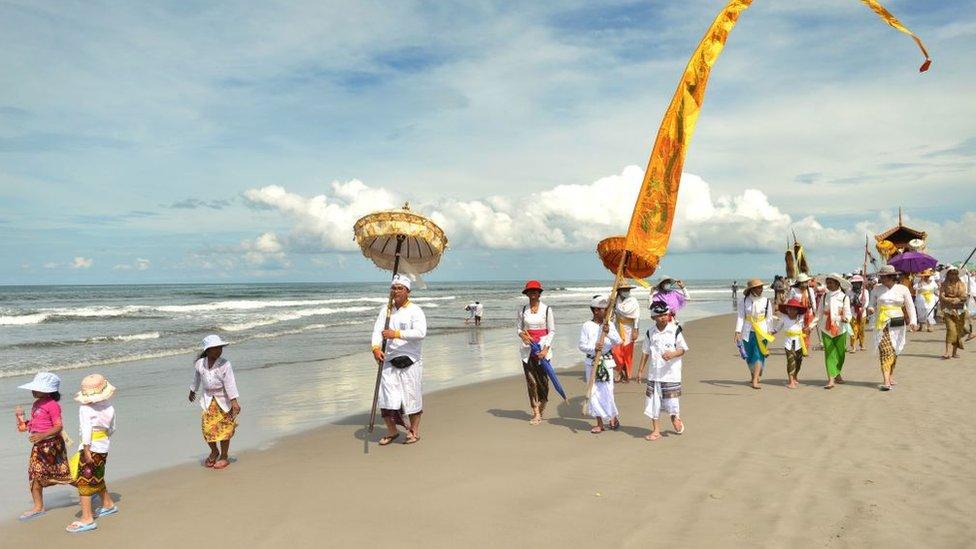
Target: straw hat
(94, 388)
(791, 304)
(753, 283)
(627, 284)
(844, 283)
(887, 270)
(43, 382)
(926, 272)
(213, 340)
(532, 285)
(857, 278)
(664, 280)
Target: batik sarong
(956, 331)
(857, 327)
(48, 463)
(537, 383)
(886, 352)
(794, 360)
(217, 425)
(662, 396)
(753, 354)
(91, 475)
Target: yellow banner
(894, 22)
(650, 224)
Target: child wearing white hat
(219, 402)
(96, 424)
(602, 404)
(48, 463)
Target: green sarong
(835, 351)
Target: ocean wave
(293, 315)
(131, 337)
(22, 320)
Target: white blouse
(898, 297)
(838, 305)
(218, 383)
(541, 319)
(756, 308)
(99, 416)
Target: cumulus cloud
(196, 203)
(139, 264)
(574, 218)
(265, 250)
(82, 262)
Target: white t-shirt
(655, 344)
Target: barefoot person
(535, 324)
(953, 297)
(859, 297)
(752, 330)
(96, 420)
(603, 407)
(894, 311)
(664, 345)
(48, 463)
(627, 316)
(401, 390)
(794, 326)
(833, 315)
(220, 408)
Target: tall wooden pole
(389, 311)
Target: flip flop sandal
(615, 425)
(411, 440)
(221, 464)
(30, 515)
(676, 430)
(209, 462)
(79, 527)
(103, 512)
(885, 387)
(388, 439)
(596, 430)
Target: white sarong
(401, 388)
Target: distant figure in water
(735, 295)
(479, 310)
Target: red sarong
(623, 356)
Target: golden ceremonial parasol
(398, 240)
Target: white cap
(402, 280)
(213, 340)
(600, 302)
(44, 382)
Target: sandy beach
(852, 467)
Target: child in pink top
(48, 464)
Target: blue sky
(197, 141)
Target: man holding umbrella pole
(400, 391)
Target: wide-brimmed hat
(213, 340)
(887, 270)
(601, 301)
(664, 280)
(844, 283)
(754, 283)
(627, 284)
(926, 272)
(792, 304)
(857, 278)
(94, 388)
(532, 285)
(801, 279)
(43, 382)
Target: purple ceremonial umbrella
(913, 262)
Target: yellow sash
(883, 316)
(798, 333)
(927, 295)
(762, 336)
(74, 462)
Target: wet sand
(851, 467)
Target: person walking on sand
(794, 326)
(627, 316)
(893, 308)
(735, 294)
(401, 385)
(48, 462)
(752, 329)
(953, 297)
(802, 291)
(603, 406)
(926, 299)
(96, 420)
(858, 296)
(664, 345)
(833, 316)
(220, 407)
(535, 323)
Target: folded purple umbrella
(913, 262)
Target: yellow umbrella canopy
(423, 241)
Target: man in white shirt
(398, 348)
(479, 311)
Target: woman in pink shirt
(48, 464)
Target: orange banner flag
(894, 22)
(650, 225)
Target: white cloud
(82, 262)
(574, 218)
(265, 250)
(139, 264)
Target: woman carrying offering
(892, 306)
(603, 407)
(832, 320)
(48, 463)
(752, 330)
(535, 324)
(953, 297)
(219, 402)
